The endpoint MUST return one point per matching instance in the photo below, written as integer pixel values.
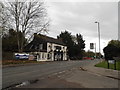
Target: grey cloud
(81, 16)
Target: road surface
(14, 75)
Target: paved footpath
(103, 71)
(95, 77)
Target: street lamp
(98, 36)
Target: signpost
(91, 45)
(112, 62)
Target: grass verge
(104, 64)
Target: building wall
(41, 56)
(51, 48)
(49, 55)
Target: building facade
(47, 49)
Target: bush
(7, 56)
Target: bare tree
(4, 18)
(27, 17)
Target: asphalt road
(13, 75)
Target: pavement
(94, 77)
(103, 71)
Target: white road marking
(95, 73)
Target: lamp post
(99, 37)
(95, 50)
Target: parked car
(88, 58)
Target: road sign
(91, 45)
(111, 61)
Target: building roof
(42, 39)
(48, 39)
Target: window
(39, 56)
(40, 46)
(36, 48)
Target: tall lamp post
(99, 37)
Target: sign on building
(91, 45)
(21, 56)
(31, 57)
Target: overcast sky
(79, 17)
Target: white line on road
(95, 73)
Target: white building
(47, 49)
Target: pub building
(47, 48)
